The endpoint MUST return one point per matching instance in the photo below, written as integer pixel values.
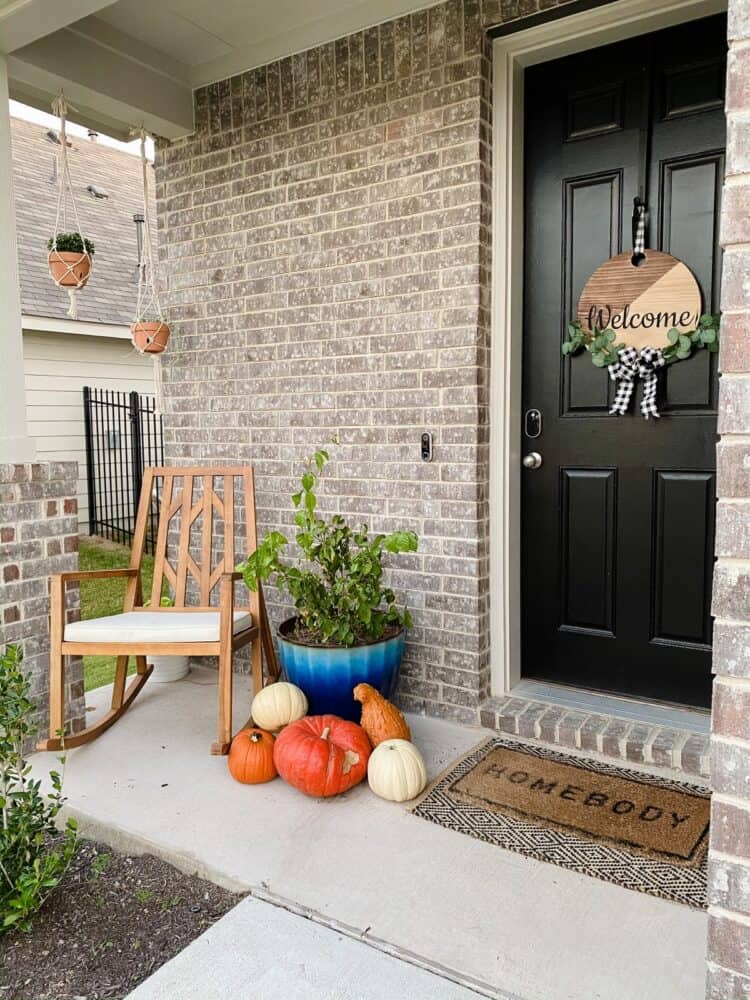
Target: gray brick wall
(729, 870)
(325, 235)
(38, 536)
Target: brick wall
(326, 239)
(729, 875)
(38, 536)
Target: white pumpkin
(277, 705)
(396, 771)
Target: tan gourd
(380, 719)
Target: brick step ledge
(610, 736)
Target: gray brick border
(609, 735)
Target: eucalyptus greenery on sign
(338, 590)
(33, 857)
(603, 349)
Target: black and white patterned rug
(615, 863)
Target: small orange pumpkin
(380, 719)
(251, 757)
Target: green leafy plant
(33, 857)
(99, 865)
(338, 590)
(603, 349)
(70, 243)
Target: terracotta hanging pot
(149, 336)
(69, 269)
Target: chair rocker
(141, 631)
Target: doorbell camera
(426, 443)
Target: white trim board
(512, 53)
(302, 36)
(53, 324)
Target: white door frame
(512, 53)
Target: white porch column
(15, 444)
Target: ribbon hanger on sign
(639, 231)
(149, 330)
(633, 363)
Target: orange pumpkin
(251, 757)
(322, 755)
(380, 719)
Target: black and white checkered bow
(632, 364)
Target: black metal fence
(123, 437)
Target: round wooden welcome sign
(641, 304)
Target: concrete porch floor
(365, 869)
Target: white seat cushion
(154, 626)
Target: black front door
(617, 523)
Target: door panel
(595, 112)
(682, 560)
(617, 524)
(588, 548)
(591, 230)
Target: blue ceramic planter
(329, 675)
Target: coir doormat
(636, 830)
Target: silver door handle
(532, 461)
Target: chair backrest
(196, 507)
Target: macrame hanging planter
(149, 330)
(70, 253)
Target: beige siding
(57, 367)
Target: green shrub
(70, 243)
(33, 856)
(338, 591)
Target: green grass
(105, 597)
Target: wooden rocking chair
(140, 631)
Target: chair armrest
(94, 574)
(58, 592)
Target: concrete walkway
(368, 868)
(264, 951)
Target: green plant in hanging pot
(70, 259)
(70, 253)
(348, 628)
(149, 332)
